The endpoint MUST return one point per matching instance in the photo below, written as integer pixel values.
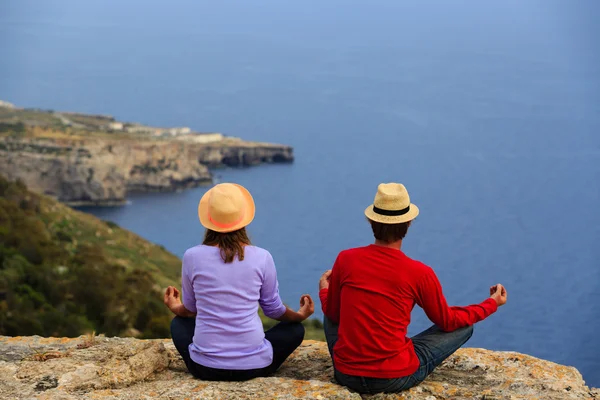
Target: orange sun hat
(226, 207)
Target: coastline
(95, 160)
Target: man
(367, 299)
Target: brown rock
(102, 171)
(117, 368)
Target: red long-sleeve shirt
(372, 291)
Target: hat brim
(392, 219)
(248, 216)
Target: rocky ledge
(118, 368)
(102, 171)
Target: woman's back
(217, 330)
(226, 296)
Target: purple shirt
(225, 298)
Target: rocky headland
(125, 368)
(83, 159)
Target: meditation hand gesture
(498, 293)
(324, 281)
(172, 298)
(307, 306)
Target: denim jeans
(432, 346)
(285, 337)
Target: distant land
(88, 159)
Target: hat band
(391, 213)
(225, 226)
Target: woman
(217, 329)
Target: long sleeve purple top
(225, 298)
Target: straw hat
(392, 205)
(226, 207)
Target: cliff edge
(84, 159)
(117, 368)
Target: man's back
(372, 292)
(377, 289)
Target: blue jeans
(432, 346)
(285, 337)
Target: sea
(487, 111)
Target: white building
(176, 131)
(203, 138)
(6, 104)
(115, 126)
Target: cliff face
(88, 159)
(99, 172)
(236, 153)
(102, 171)
(116, 368)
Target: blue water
(489, 113)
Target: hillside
(65, 273)
(85, 159)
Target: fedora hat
(392, 205)
(226, 207)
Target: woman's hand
(324, 281)
(307, 306)
(172, 298)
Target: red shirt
(372, 291)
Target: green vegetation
(16, 128)
(29, 117)
(47, 124)
(96, 122)
(65, 273)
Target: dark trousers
(285, 337)
(432, 346)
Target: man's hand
(498, 293)
(324, 281)
(172, 298)
(307, 306)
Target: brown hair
(389, 232)
(230, 243)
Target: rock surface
(102, 171)
(117, 368)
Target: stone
(127, 368)
(102, 171)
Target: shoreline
(94, 160)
